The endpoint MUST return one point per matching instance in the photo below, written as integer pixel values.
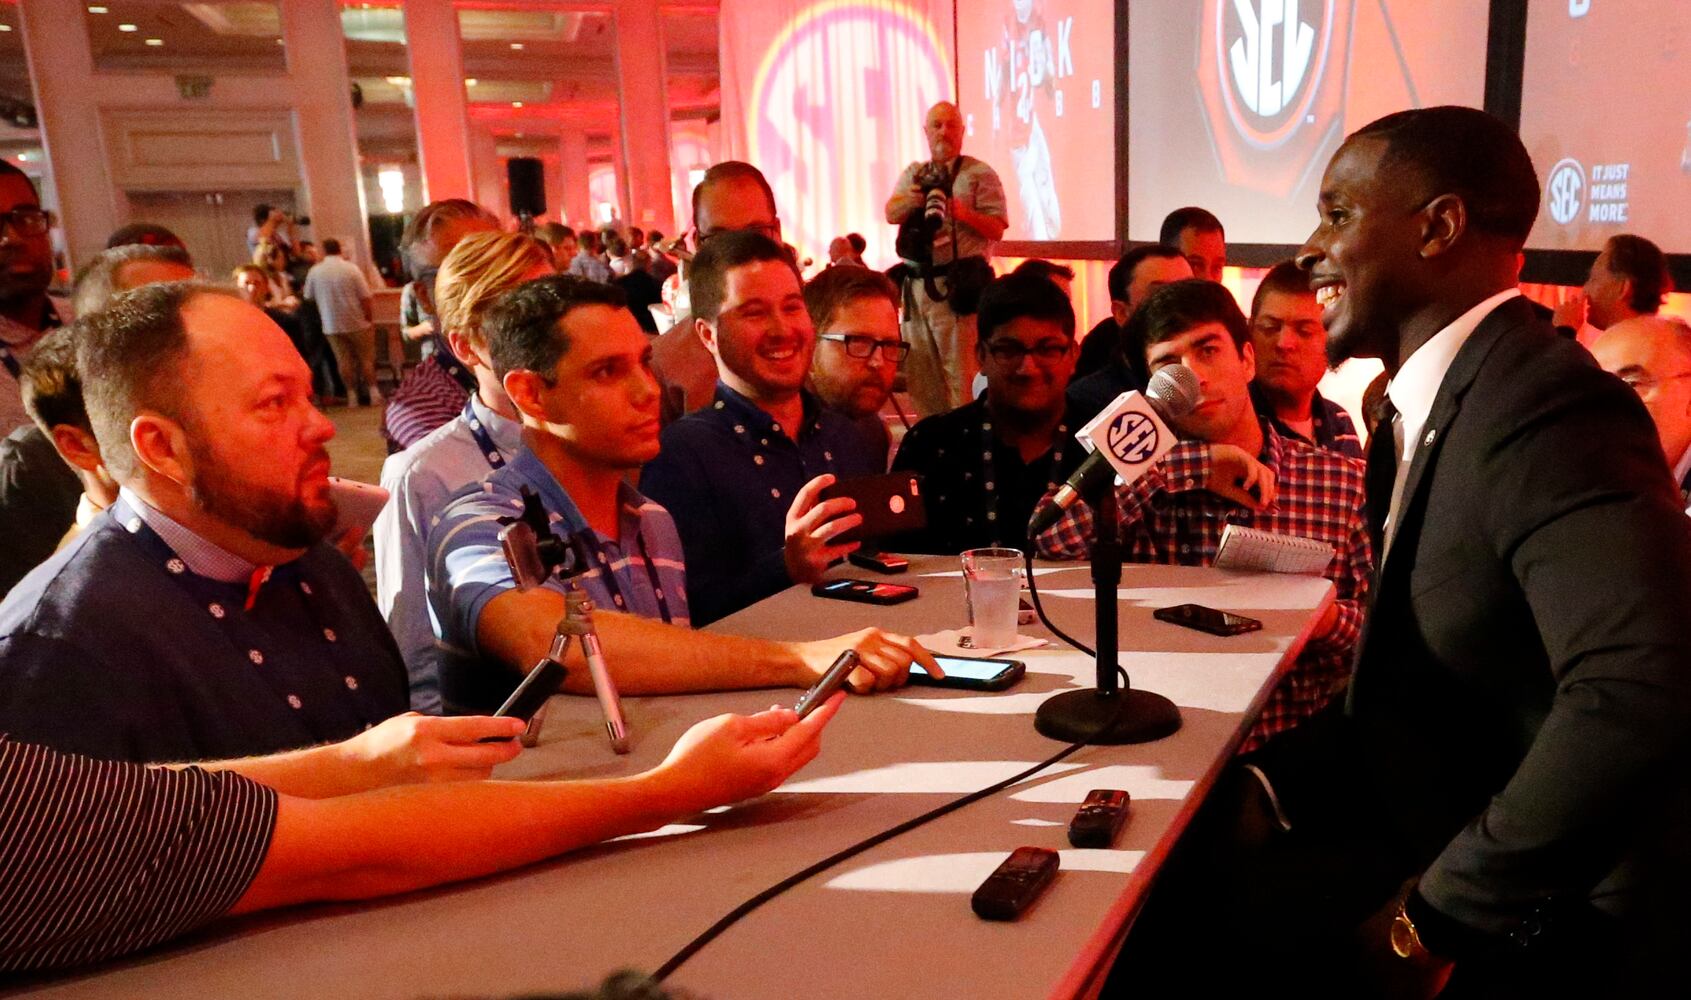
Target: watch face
(1403, 937)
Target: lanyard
(596, 549)
(990, 476)
(232, 618)
(484, 440)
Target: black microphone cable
(733, 916)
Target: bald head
(944, 129)
(1653, 355)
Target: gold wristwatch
(1406, 941)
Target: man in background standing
(343, 300)
(1198, 235)
(956, 203)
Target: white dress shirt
(1417, 384)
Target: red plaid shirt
(1168, 517)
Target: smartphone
(890, 504)
(880, 562)
(971, 673)
(865, 591)
(1015, 884)
(356, 504)
(541, 683)
(830, 681)
(1207, 619)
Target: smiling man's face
(1364, 254)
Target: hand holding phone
(831, 680)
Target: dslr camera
(935, 183)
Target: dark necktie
(1382, 474)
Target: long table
(892, 922)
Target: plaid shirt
(1168, 517)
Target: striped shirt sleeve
(102, 858)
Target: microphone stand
(1105, 714)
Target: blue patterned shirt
(467, 569)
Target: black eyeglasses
(1011, 352)
(861, 345)
(26, 221)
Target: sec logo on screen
(1132, 437)
(1565, 190)
(1269, 75)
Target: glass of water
(992, 582)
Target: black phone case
(863, 592)
(1015, 673)
(890, 504)
(1169, 615)
(541, 683)
(1011, 889)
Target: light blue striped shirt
(467, 567)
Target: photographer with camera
(949, 211)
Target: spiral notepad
(1267, 552)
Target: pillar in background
(576, 206)
(60, 64)
(643, 95)
(490, 173)
(437, 89)
(311, 30)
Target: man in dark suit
(1505, 789)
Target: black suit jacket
(1523, 683)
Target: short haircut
(149, 233)
(260, 212)
(1180, 306)
(482, 267)
(1287, 278)
(732, 170)
(432, 217)
(1023, 294)
(858, 243)
(834, 287)
(331, 246)
(708, 280)
(1121, 273)
(241, 269)
(96, 283)
(1468, 153)
(130, 357)
(52, 391)
(634, 231)
(653, 238)
(1190, 217)
(523, 326)
(549, 233)
(1643, 263)
(1045, 269)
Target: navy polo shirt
(113, 648)
(727, 474)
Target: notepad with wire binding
(1267, 552)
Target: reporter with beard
(202, 616)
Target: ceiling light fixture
(126, 26)
(5, 27)
(516, 104)
(155, 42)
(517, 46)
(471, 82)
(98, 9)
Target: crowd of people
(1469, 746)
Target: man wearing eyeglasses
(858, 346)
(986, 464)
(1653, 355)
(26, 269)
(733, 197)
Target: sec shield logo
(1564, 192)
(1272, 93)
(1132, 437)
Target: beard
(285, 520)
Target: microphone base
(1092, 717)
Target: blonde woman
(463, 427)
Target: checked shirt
(1168, 517)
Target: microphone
(1130, 442)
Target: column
(61, 66)
(643, 97)
(328, 138)
(437, 87)
(490, 172)
(577, 202)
